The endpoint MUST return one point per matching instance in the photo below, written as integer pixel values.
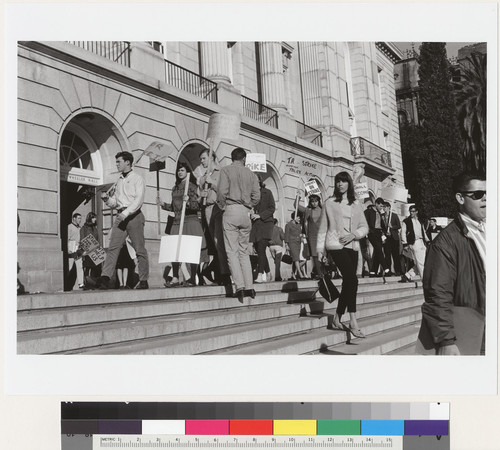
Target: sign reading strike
(312, 188)
(256, 162)
(92, 249)
(361, 191)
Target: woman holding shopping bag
(342, 225)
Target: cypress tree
(433, 148)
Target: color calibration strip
(95, 426)
(259, 427)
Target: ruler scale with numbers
(104, 442)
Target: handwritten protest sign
(256, 162)
(92, 249)
(361, 191)
(312, 188)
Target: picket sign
(312, 187)
(181, 248)
(361, 191)
(256, 162)
(92, 249)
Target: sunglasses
(474, 195)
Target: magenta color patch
(210, 427)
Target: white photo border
(245, 375)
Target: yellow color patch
(295, 427)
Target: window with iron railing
(116, 51)
(309, 134)
(362, 147)
(258, 111)
(190, 82)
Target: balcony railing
(259, 112)
(362, 147)
(309, 134)
(117, 51)
(190, 82)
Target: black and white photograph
(249, 202)
(227, 206)
(333, 195)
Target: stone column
(311, 82)
(272, 77)
(215, 61)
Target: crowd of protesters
(233, 212)
(390, 246)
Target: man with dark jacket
(391, 245)
(262, 230)
(454, 276)
(414, 239)
(376, 236)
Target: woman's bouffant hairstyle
(182, 165)
(314, 197)
(91, 215)
(345, 177)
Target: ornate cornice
(390, 50)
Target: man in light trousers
(237, 193)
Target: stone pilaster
(272, 77)
(215, 61)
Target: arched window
(79, 158)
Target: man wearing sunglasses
(454, 276)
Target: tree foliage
(432, 149)
(471, 105)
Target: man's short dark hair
(207, 151)
(379, 201)
(126, 156)
(387, 204)
(412, 207)
(76, 215)
(238, 154)
(462, 180)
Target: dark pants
(391, 249)
(346, 261)
(263, 263)
(375, 238)
(133, 226)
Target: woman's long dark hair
(351, 197)
(188, 170)
(88, 219)
(314, 197)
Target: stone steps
(188, 320)
(321, 340)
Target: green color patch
(339, 427)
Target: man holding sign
(237, 193)
(127, 197)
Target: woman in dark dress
(192, 224)
(125, 264)
(262, 230)
(311, 216)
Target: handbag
(287, 259)
(327, 289)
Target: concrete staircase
(284, 318)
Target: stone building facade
(313, 108)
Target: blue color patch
(383, 427)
